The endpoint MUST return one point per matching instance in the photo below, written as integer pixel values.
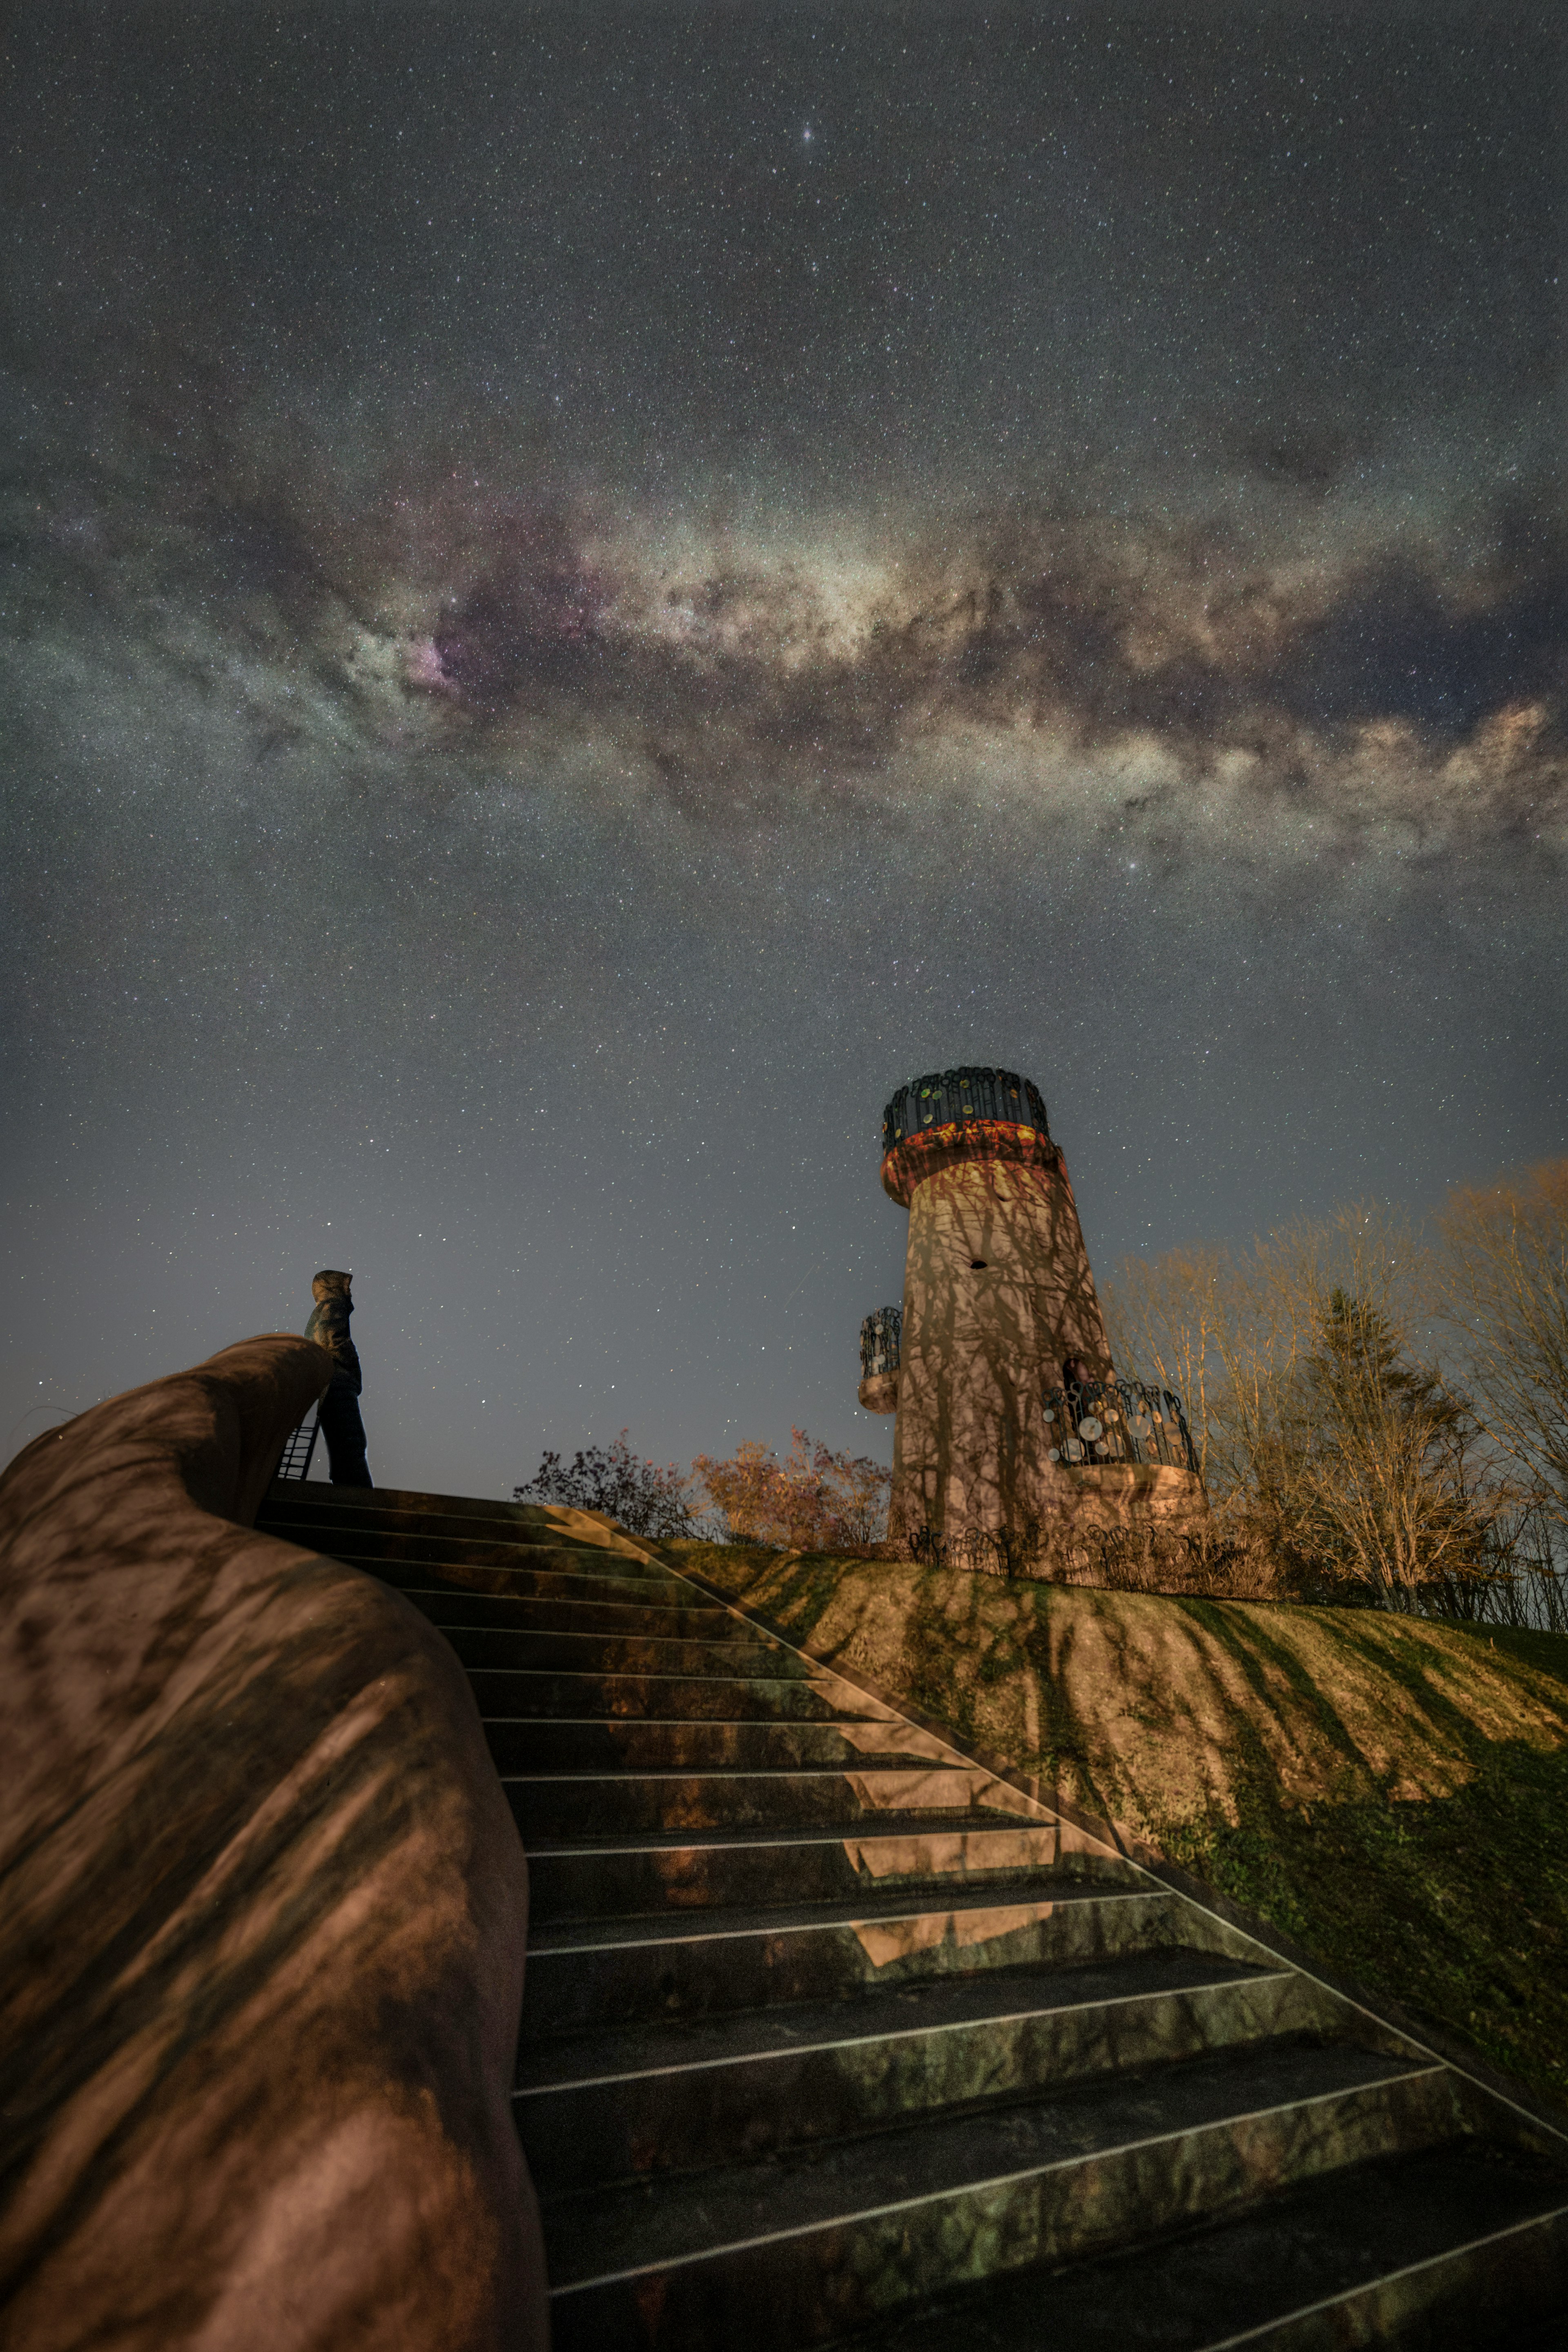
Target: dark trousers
(339, 1420)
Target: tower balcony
(1100, 1422)
(882, 1335)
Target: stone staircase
(830, 2036)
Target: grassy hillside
(1392, 1793)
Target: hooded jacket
(329, 1327)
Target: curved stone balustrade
(264, 1910)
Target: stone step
(394, 1557)
(559, 1744)
(656, 2098)
(383, 1507)
(456, 1610)
(587, 1974)
(799, 2250)
(415, 1502)
(624, 1653)
(815, 1696)
(644, 1590)
(1458, 2248)
(608, 1610)
(572, 1804)
(634, 1873)
(398, 1512)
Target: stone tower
(997, 1294)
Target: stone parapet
(1114, 1496)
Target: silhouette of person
(337, 1415)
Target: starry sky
(586, 593)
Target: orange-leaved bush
(816, 1500)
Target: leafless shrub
(815, 1500)
(645, 1498)
(1500, 1283)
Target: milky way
(588, 594)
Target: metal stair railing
(298, 1447)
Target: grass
(1457, 1906)
(1393, 1793)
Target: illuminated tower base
(997, 1296)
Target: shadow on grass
(1457, 1906)
(1545, 1654)
(801, 1586)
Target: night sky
(586, 594)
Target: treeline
(1380, 1407)
(814, 1499)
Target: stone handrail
(264, 1908)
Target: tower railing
(1097, 1422)
(881, 1337)
(967, 1092)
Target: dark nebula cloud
(1355, 667)
(1309, 453)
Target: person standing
(337, 1415)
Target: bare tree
(1502, 1286)
(1166, 1314)
(1321, 1432)
(1378, 1473)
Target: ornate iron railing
(1119, 1421)
(964, 1093)
(988, 1551)
(880, 1336)
(298, 1448)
